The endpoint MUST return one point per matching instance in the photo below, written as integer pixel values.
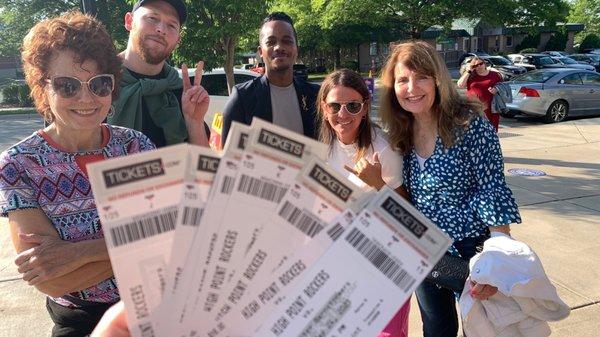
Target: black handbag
(451, 272)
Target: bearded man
(153, 98)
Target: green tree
(590, 41)
(214, 28)
(586, 12)
(18, 16)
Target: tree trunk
(338, 58)
(229, 46)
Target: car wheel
(557, 112)
(508, 114)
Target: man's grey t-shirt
(285, 107)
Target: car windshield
(545, 60)
(499, 61)
(535, 76)
(567, 60)
(594, 57)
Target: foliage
(590, 41)
(586, 12)
(531, 41)
(558, 41)
(16, 93)
(527, 50)
(18, 16)
(213, 30)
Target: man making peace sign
(153, 99)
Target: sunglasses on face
(478, 64)
(66, 86)
(352, 108)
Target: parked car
(591, 51)
(215, 84)
(556, 53)
(570, 63)
(592, 59)
(301, 71)
(503, 66)
(534, 61)
(554, 94)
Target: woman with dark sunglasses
(71, 66)
(359, 149)
(480, 82)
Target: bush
(353, 65)
(590, 41)
(528, 50)
(16, 93)
(558, 42)
(530, 41)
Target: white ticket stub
(317, 197)
(176, 306)
(138, 200)
(268, 290)
(270, 164)
(391, 247)
(202, 166)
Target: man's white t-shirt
(391, 161)
(285, 107)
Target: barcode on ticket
(302, 220)
(378, 258)
(261, 189)
(142, 228)
(335, 231)
(227, 186)
(192, 216)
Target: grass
(17, 111)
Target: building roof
(467, 25)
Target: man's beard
(151, 55)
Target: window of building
(509, 40)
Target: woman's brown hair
(349, 79)
(452, 112)
(81, 34)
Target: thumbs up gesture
(368, 172)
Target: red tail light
(529, 92)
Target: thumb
(376, 158)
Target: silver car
(555, 94)
(570, 63)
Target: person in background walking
(480, 82)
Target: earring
(111, 112)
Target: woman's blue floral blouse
(462, 189)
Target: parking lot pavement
(560, 211)
(14, 128)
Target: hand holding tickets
(263, 239)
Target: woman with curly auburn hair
(453, 166)
(71, 67)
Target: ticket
(318, 196)
(199, 174)
(175, 307)
(270, 164)
(391, 247)
(138, 200)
